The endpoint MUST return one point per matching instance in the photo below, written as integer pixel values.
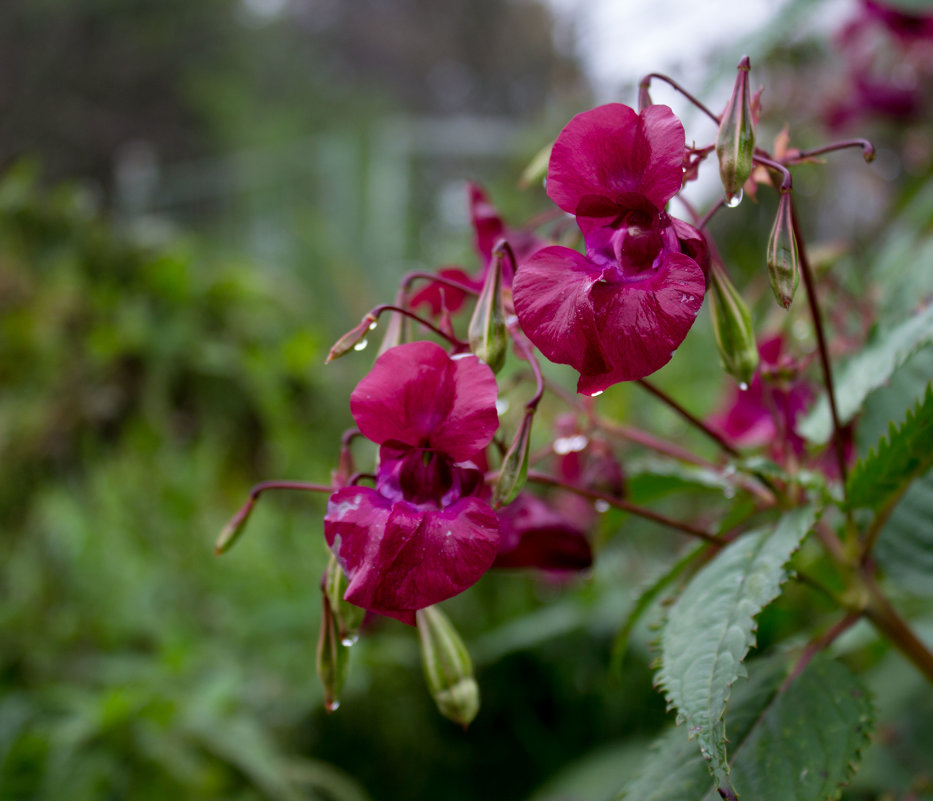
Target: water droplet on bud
(502, 405)
(361, 345)
(734, 200)
(601, 506)
(332, 706)
(350, 640)
(372, 325)
(743, 386)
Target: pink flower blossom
(618, 312)
(422, 535)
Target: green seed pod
(732, 328)
(349, 617)
(448, 668)
(333, 657)
(514, 468)
(735, 145)
(783, 260)
(487, 334)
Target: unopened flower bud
(333, 657)
(355, 339)
(448, 668)
(732, 328)
(488, 338)
(783, 261)
(735, 145)
(514, 468)
(349, 617)
(234, 528)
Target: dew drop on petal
(743, 386)
(361, 345)
(601, 506)
(502, 406)
(734, 201)
(596, 394)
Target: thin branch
(690, 418)
(625, 506)
(821, 643)
(868, 149)
(825, 363)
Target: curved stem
(646, 82)
(787, 182)
(868, 149)
(625, 506)
(409, 278)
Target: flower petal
(610, 151)
(419, 396)
(641, 323)
(610, 331)
(553, 304)
(400, 557)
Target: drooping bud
(514, 468)
(783, 260)
(448, 668)
(735, 145)
(348, 616)
(732, 328)
(488, 338)
(333, 657)
(354, 339)
(234, 528)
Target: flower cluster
(449, 497)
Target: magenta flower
(618, 312)
(422, 535)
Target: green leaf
(645, 599)
(710, 628)
(799, 744)
(907, 452)
(866, 371)
(904, 551)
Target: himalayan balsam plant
(611, 283)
